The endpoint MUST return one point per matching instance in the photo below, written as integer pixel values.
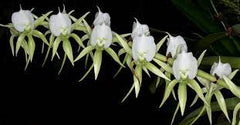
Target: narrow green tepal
(97, 61)
(196, 87)
(68, 50)
(182, 96)
(168, 90)
(40, 35)
(85, 51)
(12, 44)
(222, 103)
(41, 19)
(155, 70)
(31, 46)
(114, 56)
(19, 42)
(55, 46)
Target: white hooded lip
(139, 29)
(221, 69)
(175, 43)
(22, 20)
(101, 35)
(60, 24)
(143, 47)
(185, 64)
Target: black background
(38, 96)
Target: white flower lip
(174, 44)
(139, 29)
(101, 35)
(23, 20)
(101, 18)
(185, 66)
(221, 69)
(144, 47)
(60, 24)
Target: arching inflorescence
(140, 55)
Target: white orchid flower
(23, 20)
(221, 69)
(176, 45)
(60, 24)
(101, 34)
(139, 29)
(144, 48)
(185, 66)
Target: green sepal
(97, 61)
(68, 50)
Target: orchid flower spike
(23, 20)
(139, 29)
(175, 45)
(101, 35)
(60, 24)
(185, 66)
(144, 47)
(221, 69)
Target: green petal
(155, 70)
(68, 50)
(201, 57)
(39, 20)
(160, 43)
(123, 43)
(79, 41)
(129, 92)
(40, 35)
(233, 74)
(12, 44)
(233, 88)
(163, 65)
(86, 73)
(84, 52)
(19, 42)
(137, 79)
(114, 56)
(222, 103)
(97, 61)
(235, 112)
(182, 96)
(195, 86)
(87, 26)
(175, 113)
(31, 45)
(168, 90)
(55, 46)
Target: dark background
(38, 96)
